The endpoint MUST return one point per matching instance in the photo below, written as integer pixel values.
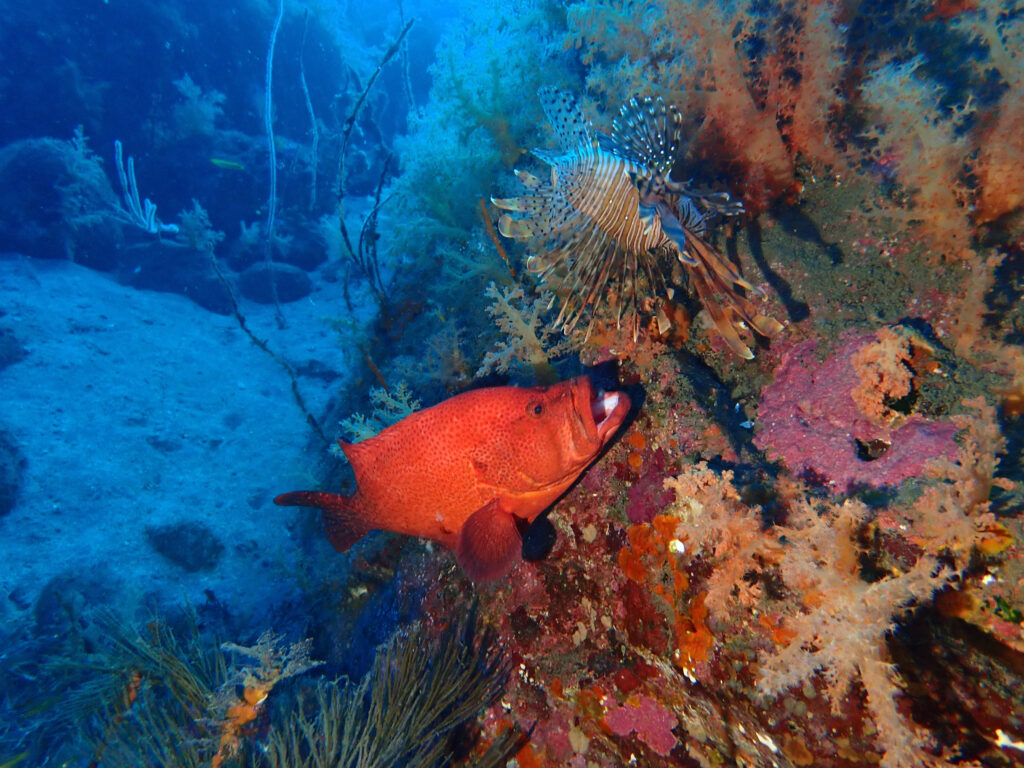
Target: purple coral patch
(644, 716)
(809, 420)
(647, 495)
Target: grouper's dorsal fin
(649, 133)
(572, 128)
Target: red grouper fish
(467, 470)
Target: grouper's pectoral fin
(489, 543)
(343, 522)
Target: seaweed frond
(418, 696)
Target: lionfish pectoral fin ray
(715, 281)
(528, 179)
(566, 117)
(686, 259)
(518, 230)
(549, 156)
(766, 326)
(507, 203)
(506, 225)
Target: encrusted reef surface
(813, 557)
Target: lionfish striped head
(607, 225)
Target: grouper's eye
(536, 408)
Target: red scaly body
(466, 470)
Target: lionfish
(611, 223)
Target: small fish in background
(611, 221)
(472, 471)
(539, 538)
(227, 165)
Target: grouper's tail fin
(343, 522)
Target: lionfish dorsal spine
(649, 133)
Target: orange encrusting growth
(238, 716)
(651, 550)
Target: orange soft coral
(1000, 139)
(756, 114)
(916, 133)
(884, 373)
(275, 664)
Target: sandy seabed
(134, 410)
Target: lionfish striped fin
(717, 285)
(675, 229)
(548, 211)
(649, 133)
(691, 217)
(566, 116)
(717, 202)
(528, 179)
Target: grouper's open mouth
(609, 409)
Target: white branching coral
(841, 633)
(389, 407)
(530, 341)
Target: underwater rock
(12, 470)
(190, 545)
(11, 349)
(66, 602)
(56, 202)
(168, 268)
(297, 248)
(301, 250)
(291, 282)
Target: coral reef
(701, 635)
(811, 555)
(801, 560)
